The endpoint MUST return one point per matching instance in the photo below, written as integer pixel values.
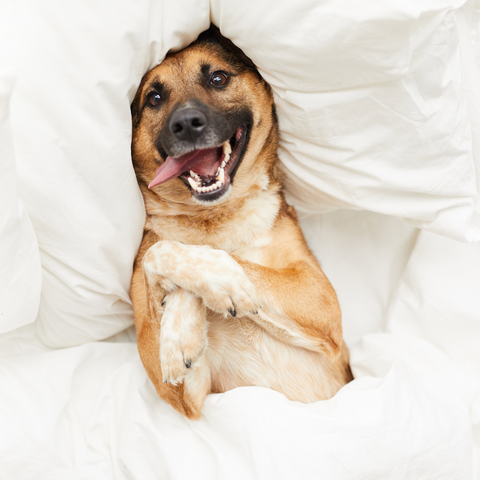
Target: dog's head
(204, 125)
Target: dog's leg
(299, 305)
(183, 336)
(172, 339)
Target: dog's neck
(231, 226)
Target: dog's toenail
(188, 363)
(233, 312)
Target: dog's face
(204, 126)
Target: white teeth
(193, 183)
(220, 177)
(227, 150)
(210, 188)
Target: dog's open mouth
(209, 171)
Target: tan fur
(198, 262)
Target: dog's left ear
(213, 33)
(136, 106)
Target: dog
(225, 290)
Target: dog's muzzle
(203, 148)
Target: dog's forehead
(190, 64)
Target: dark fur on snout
(220, 126)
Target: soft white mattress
(379, 107)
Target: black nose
(188, 124)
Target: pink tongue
(204, 162)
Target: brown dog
(225, 291)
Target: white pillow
(79, 66)
(372, 104)
(20, 269)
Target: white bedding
(379, 107)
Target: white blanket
(379, 107)
(91, 412)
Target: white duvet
(379, 108)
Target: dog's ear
(213, 35)
(136, 106)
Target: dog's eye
(218, 79)
(154, 99)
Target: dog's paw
(229, 290)
(209, 273)
(183, 335)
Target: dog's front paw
(207, 272)
(183, 335)
(228, 290)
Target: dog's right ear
(213, 35)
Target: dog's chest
(247, 233)
(240, 240)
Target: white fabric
(71, 127)
(100, 418)
(20, 268)
(379, 110)
(79, 66)
(368, 93)
(438, 299)
(392, 277)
